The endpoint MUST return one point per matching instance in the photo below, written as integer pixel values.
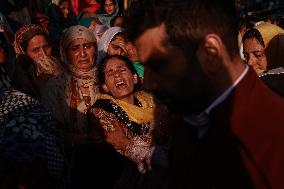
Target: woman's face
(119, 80)
(109, 7)
(117, 46)
(82, 54)
(65, 8)
(38, 47)
(255, 55)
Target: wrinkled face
(119, 80)
(82, 54)
(38, 47)
(109, 7)
(175, 80)
(117, 46)
(65, 8)
(254, 55)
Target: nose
(41, 52)
(119, 51)
(251, 60)
(117, 74)
(83, 52)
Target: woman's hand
(117, 138)
(132, 52)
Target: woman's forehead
(78, 41)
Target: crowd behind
(73, 110)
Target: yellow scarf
(140, 115)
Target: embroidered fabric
(27, 133)
(141, 153)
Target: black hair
(112, 21)
(186, 21)
(129, 64)
(253, 33)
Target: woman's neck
(129, 99)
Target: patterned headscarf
(24, 34)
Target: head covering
(73, 33)
(268, 31)
(63, 94)
(272, 36)
(105, 41)
(99, 31)
(106, 18)
(86, 18)
(24, 34)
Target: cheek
(71, 57)
(48, 51)
(263, 63)
(111, 51)
(32, 55)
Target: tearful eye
(109, 74)
(74, 48)
(35, 50)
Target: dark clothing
(275, 82)
(243, 147)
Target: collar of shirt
(201, 120)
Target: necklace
(85, 97)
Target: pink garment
(78, 6)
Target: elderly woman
(34, 62)
(113, 42)
(71, 93)
(125, 113)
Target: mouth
(83, 61)
(120, 84)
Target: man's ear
(105, 88)
(209, 52)
(135, 78)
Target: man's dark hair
(253, 33)
(129, 64)
(186, 21)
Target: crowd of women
(74, 58)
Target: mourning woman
(72, 92)
(125, 113)
(34, 63)
(114, 42)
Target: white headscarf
(105, 41)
